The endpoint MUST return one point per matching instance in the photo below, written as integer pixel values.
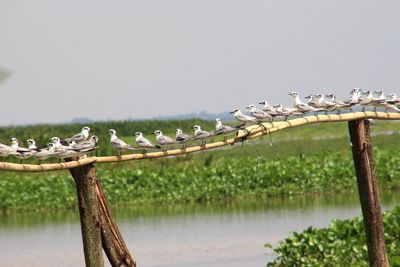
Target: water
(217, 235)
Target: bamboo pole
(85, 180)
(253, 131)
(368, 190)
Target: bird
(392, 99)
(142, 142)
(268, 108)
(379, 101)
(164, 140)
(20, 152)
(201, 135)
(32, 145)
(325, 104)
(63, 152)
(353, 100)
(180, 137)
(242, 117)
(6, 150)
(286, 112)
(301, 106)
(339, 105)
(46, 153)
(365, 101)
(223, 129)
(80, 137)
(258, 114)
(85, 146)
(117, 143)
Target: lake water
(216, 235)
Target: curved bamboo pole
(250, 132)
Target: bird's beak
(262, 103)
(231, 112)
(247, 107)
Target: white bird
(180, 137)
(6, 150)
(85, 146)
(365, 101)
(392, 99)
(268, 108)
(164, 140)
(353, 100)
(325, 104)
(142, 142)
(223, 129)
(301, 106)
(242, 117)
(46, 152)
(200, 134)
(80, 137)
(339, 105)
(379, 101)
(258, 114)
(117, 143)
(63, 152)
(286, 112)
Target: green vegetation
(342, 243)
(311, 159)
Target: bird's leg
(363, 109)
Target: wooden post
(113, 244)
(368, 190)
(85, 180)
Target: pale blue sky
(139, 59)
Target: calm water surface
(217, 235)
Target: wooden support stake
(113, 244)
(368, 190)
(85, 180)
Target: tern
(242, 117)
(258, 114)
(142, 142)
(366, 101)
(392, 99)
(46, 152)
(353, 100)
(180, 137)
(268, 108)
(164, 140)
(325, 104)
(117, 143)
(286, 112)
(339, 105)
(301, 106)
(85, 146)
(223, 129)
(200, 134)
(80, 137)
(63, 152)
(379, 101)
(6, 150)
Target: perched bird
(392, 99)
(242, 117)
(301, 106)
(180, 137)
(164, 140)
(46, 152)
(365, 101)
(223, 129)
(258, 114)
(353, 100)
(200, 134)
(325, 104)
(379, 101)
(286, 112)
(339, 105)
(80, 137)
(117, 143)
(85, 146)
(63, 152)
(142, 142)
(6, 150)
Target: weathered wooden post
(85, 180)
(368, 190)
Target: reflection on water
(222, 234)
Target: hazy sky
(121, 59)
